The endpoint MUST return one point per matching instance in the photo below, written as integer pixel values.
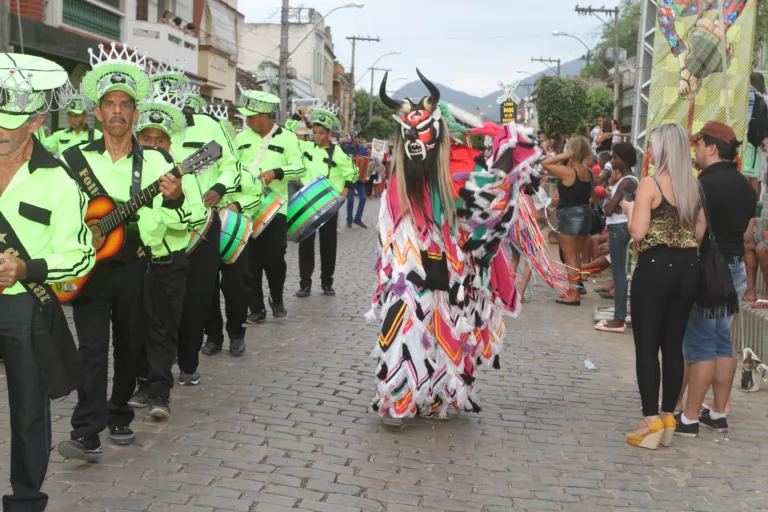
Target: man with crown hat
(119, 167)
(273, 154)
(43, 240)
(78, 131)
(323, 159)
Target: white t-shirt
(596, 132)
(618, 218)
(616, 136)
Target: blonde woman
(666, 221)
(574, 219)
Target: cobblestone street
(287, 427)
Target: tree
(562, 104)
(629, 26)
(599, 103)
(384, 126)
(379, 128)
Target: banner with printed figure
(303, 107)
(687, 84)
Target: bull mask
(419, 122)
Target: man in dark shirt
(707, 346)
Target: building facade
(219, 27)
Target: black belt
(735, 260)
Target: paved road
(287, 427)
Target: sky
(467, 45)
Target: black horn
(434, 92)
(391, 103)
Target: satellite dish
(609, 54)
(292, 72)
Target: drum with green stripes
(235, 230)
(312, 207)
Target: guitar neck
(124, 211)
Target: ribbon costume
(444, 286)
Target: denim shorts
(706, 339)
(574, 220)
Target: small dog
(753, 371)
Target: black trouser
(120, 301)
(165, 287)
(268, 255)
(201, 284)
(328, 237)
(29, 403)
(663, 289)
(234, 286)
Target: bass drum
(235, 230)
(312, 207)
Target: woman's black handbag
(716, 296)
(596, 211)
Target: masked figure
(446, 225)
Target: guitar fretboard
(134, 204)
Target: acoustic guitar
(106, 219)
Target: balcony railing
(89, 17)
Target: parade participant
(354, 149)
(43, 240)
(112, 302)
(322, 158)
(271, 153)
(444, 280)
(78, 131)
(160, 122)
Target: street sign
(508, 111)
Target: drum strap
(329, 161)
(263, 149)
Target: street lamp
(523, 72)
(373, 72)
(558, 33)
(312, 31)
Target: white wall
(162, 41)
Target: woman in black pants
(666, 221)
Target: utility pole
(370, 97)
(283, 79)
(5, 26)
(616, 49)
(548, 60)
(354, 40)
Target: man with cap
(112, 300)
(78, 131)
(323, 159)
(730, 204)
(272, 154)
(43, 240)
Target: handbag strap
(710, 233)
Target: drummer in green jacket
(323, 159)
(272, 153)
(78, 131)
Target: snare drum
(235, 230)
(266, 212)
(312, 207)
(198, 235)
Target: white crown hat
(167, 73)
(193, 98)
(27, 84)
(219, 111)
(162, 109)
(116, 70)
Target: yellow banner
(687, 85)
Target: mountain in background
(488, 106)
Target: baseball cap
(716, 130)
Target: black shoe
(684, 430)
(718, 425)
(158, 408)
(212, 346)
(189, 379)
(122, 434)
(81, 448)
(278, 310)
(304, 292)
(257, 318)
(349, 224)
(139, 399)
(328, 290)
(361, 224)
(237, 346)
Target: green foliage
(477, 141)
(629, 26)
(384, 127)
(761, 31)
(599, 103)
(562, 104)
(378, 128)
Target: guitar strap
(90, 135)
(136, 170)
(55, 351)
(81, 172)
(263, 149)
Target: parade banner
(378, 149)
(687, 83)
